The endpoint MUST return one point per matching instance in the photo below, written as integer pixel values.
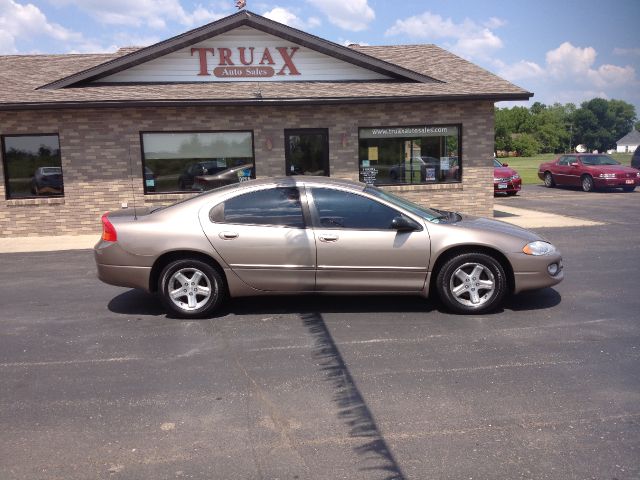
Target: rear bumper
(124, 276)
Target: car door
(263, 236)
(562, 171)
(358, 249)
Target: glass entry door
(307, 151)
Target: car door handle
(328, 237)
(228, 235)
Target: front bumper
(531, 272)
(615, 182)
(508, 186)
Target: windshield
(496, 163)
(428, 214)
(599, 160)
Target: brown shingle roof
(22, 75)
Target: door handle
(228, 235)
(328, 237)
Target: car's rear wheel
(587, 183)
(629, 189)
(191, 288)
(548, 180)
(471, 283)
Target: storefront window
(409, 155)
(196, 161)
(32, 166)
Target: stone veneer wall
(96, 144)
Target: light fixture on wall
(268, 143)
(344, 139)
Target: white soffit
(244, 54)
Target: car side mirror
(505, 164)
(575, 164)
(404, 224)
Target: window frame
(310, 131)
(459, 126)
(303, 208)
(171, 192)
(315, 212)
(5, 169)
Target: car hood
(612, 169)
(489, 225)
(503, 172)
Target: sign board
(244, 54)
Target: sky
(562, 50)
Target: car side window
(280, 207)
(564, 160)
(338, 209)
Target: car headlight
(638, 174)
(496, 179)
(515, 177)
(607, 175)
(538, 248)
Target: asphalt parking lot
(97, 382)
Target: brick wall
(96, 145)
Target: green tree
(525, 144)
(599, 123)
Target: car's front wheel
(587, 183)
(548, 180)
(191, 288)
(471, 283)
(629, 189)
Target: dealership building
(243, 97)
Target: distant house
(629, 142)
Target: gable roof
(631, 138)
(443, 77)
(242, 18)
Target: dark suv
(635, 160)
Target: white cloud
(353, 15)
(152, 13)
(468, 38)
(19, 21)
(287, 17)
(520, 70)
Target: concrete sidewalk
(517, 216)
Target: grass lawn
(527, 167)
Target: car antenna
(133, 190)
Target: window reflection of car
(210, 167)
(228, 176)
(415, 169)
(47, 180)
(505, 179)
(149, 179)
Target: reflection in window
(409, 155)
(275, 207)
(196, 161)
(32, 166)
(337, 209)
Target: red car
(505, 179)
(589, 171)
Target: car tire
(191, 288)
(511, 194)
(461, 275)
(587, 183)
(628, 189)
(549, 182)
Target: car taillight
(108, 231)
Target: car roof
(289, 181)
